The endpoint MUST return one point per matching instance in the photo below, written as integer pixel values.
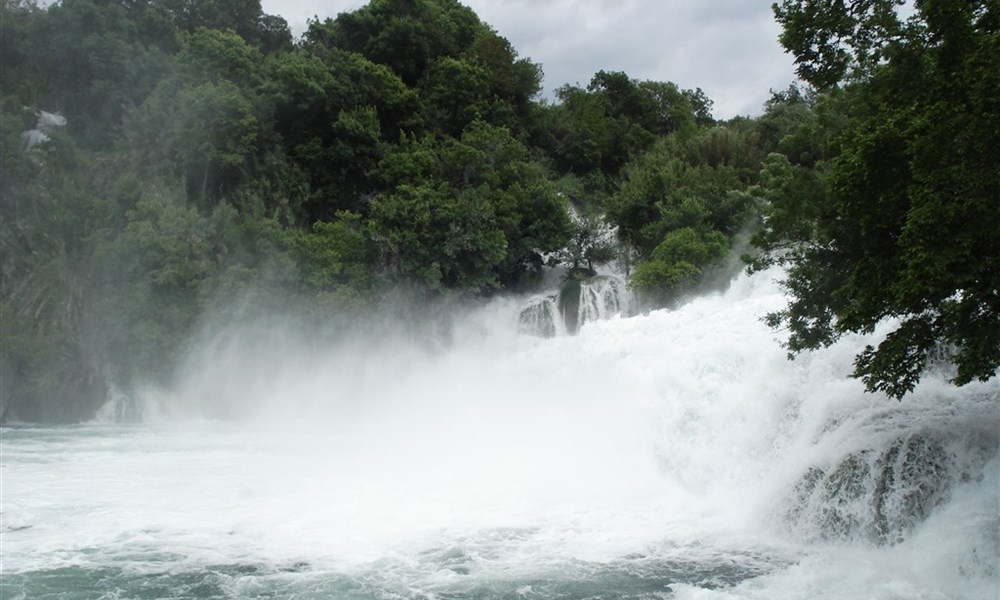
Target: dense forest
(167, 162)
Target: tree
(466, 214)
(689, 180)
(580, 130)
(335, 257)
(243, 17)
(214, 134)
(590, 244)
(50, 224)
(87, 59)
(910, 230)
(702, 105)
(455, 92)
(834, 39)
(405, 35)
(212, 54)
(441, 237)
(677, 263)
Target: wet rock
(874, 494)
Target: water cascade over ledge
(677, 454)
(576, 303)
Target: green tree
(472, 213)
(590, 244)
(910, 231)
(455, 93)
(702, 105)
(87, 59)
(690, 179)
(204, 120)
(209, 55)
(613, 121)
(405, 35)
(51, 223)
(157, 267)
(242, 17)
(677, 263)
(444, 238)
(214, 135)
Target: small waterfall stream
(576, 303)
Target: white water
(642, 457)
(600, 298)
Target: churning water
(672, 455)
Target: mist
(672, 449)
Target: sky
(728, 48)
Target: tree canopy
(900, 220)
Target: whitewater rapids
(677, 454)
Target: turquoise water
(628, 578)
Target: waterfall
(47, 122)
(541, 317)
(143, 405)
(576, 303)
(603, 297)
(578, 294)
(673, 454)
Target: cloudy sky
(728, 48)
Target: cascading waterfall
(596, 298)
(47, 122)
(582, 294)
(541, 317)
(603, 297)
(675, 454)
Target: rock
(874, 494)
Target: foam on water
(659, 454)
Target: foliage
(677, 262)
(598, 130)
(901, 223)
(590, 243)
(466, 214)
(49, 230)
(405, 35)
(685, 181)
(831, 40)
